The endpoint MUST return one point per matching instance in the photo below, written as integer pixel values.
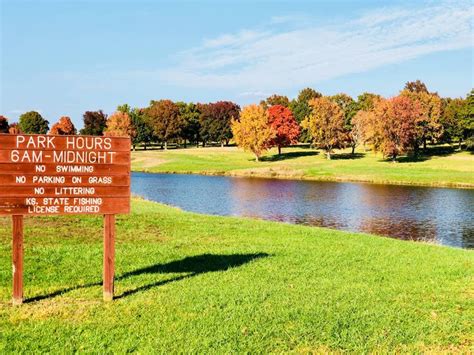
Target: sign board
(53, 175)
(64, 175)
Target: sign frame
(95, 152)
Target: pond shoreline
(278, 176)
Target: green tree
(95, 123)
(349, 107)
(190, 114)
(143, 131)
(275, 100)
(32, 122)
(301, 109)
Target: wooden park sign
(64, 175)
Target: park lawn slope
(449, 168)
(196, 283)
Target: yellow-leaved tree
(119, 124)
(252, 131)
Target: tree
(3, 124)
(416, 86)
(301, 109)
(119, 124)
(396, 125)
(367, 100)
(190, 114)
(94, 123)
(325, 124)
(33, 123)
(284, 125)
(252, 131)
(163, 117)
(364, 128)
(452, 120)
(349, 107)
(143, 131)
(14, 129)
(215, 121)
(63, 127)
(429, 125)
(468, 119)
(275, 100)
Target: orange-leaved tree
(325, 124)
(63, 127)
(252, 130)
(119, 124)
(283, 123)
(396, 125)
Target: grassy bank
(441, 167)
(188, 282)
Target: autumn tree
(3, 124)
(365, 128)
(14, 128)
(366, 101)
(215, 121)
(119, 124)
(94, 123)
(275, 100)
(429, 125)
(141, 132)
(284, 125)
(416, 86)
(349, 107)
(396, 125)
(33, 123)
(252, 131)
(325, 124)
(190, 114)
(301, 109)
(163, 116)
(63, 127)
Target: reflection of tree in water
(467, 237)
(320, 221)
(400, 229)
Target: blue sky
(66, 57)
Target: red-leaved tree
(3, 124)
(286, 128)
(63, 127)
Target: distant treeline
(398, 125)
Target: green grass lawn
(195, 283)
(448, 168)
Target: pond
(439, 215)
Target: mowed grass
(448, 168)
(193, 283)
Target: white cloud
(275, 59)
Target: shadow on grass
(289, 155)
(191, 265)
(424, 155)
(347, 156)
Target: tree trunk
(144, 145)
(460, 143)
(166, 145)
(424, 144)
(222, 144)
(133, 147)
(256, 157)
(279, 150)
(185, 143)
(328, 155)
(353, 149)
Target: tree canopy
(94, 123)
(33, 123)
(63, 127)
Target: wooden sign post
(64, 175)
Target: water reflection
(410, 213)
